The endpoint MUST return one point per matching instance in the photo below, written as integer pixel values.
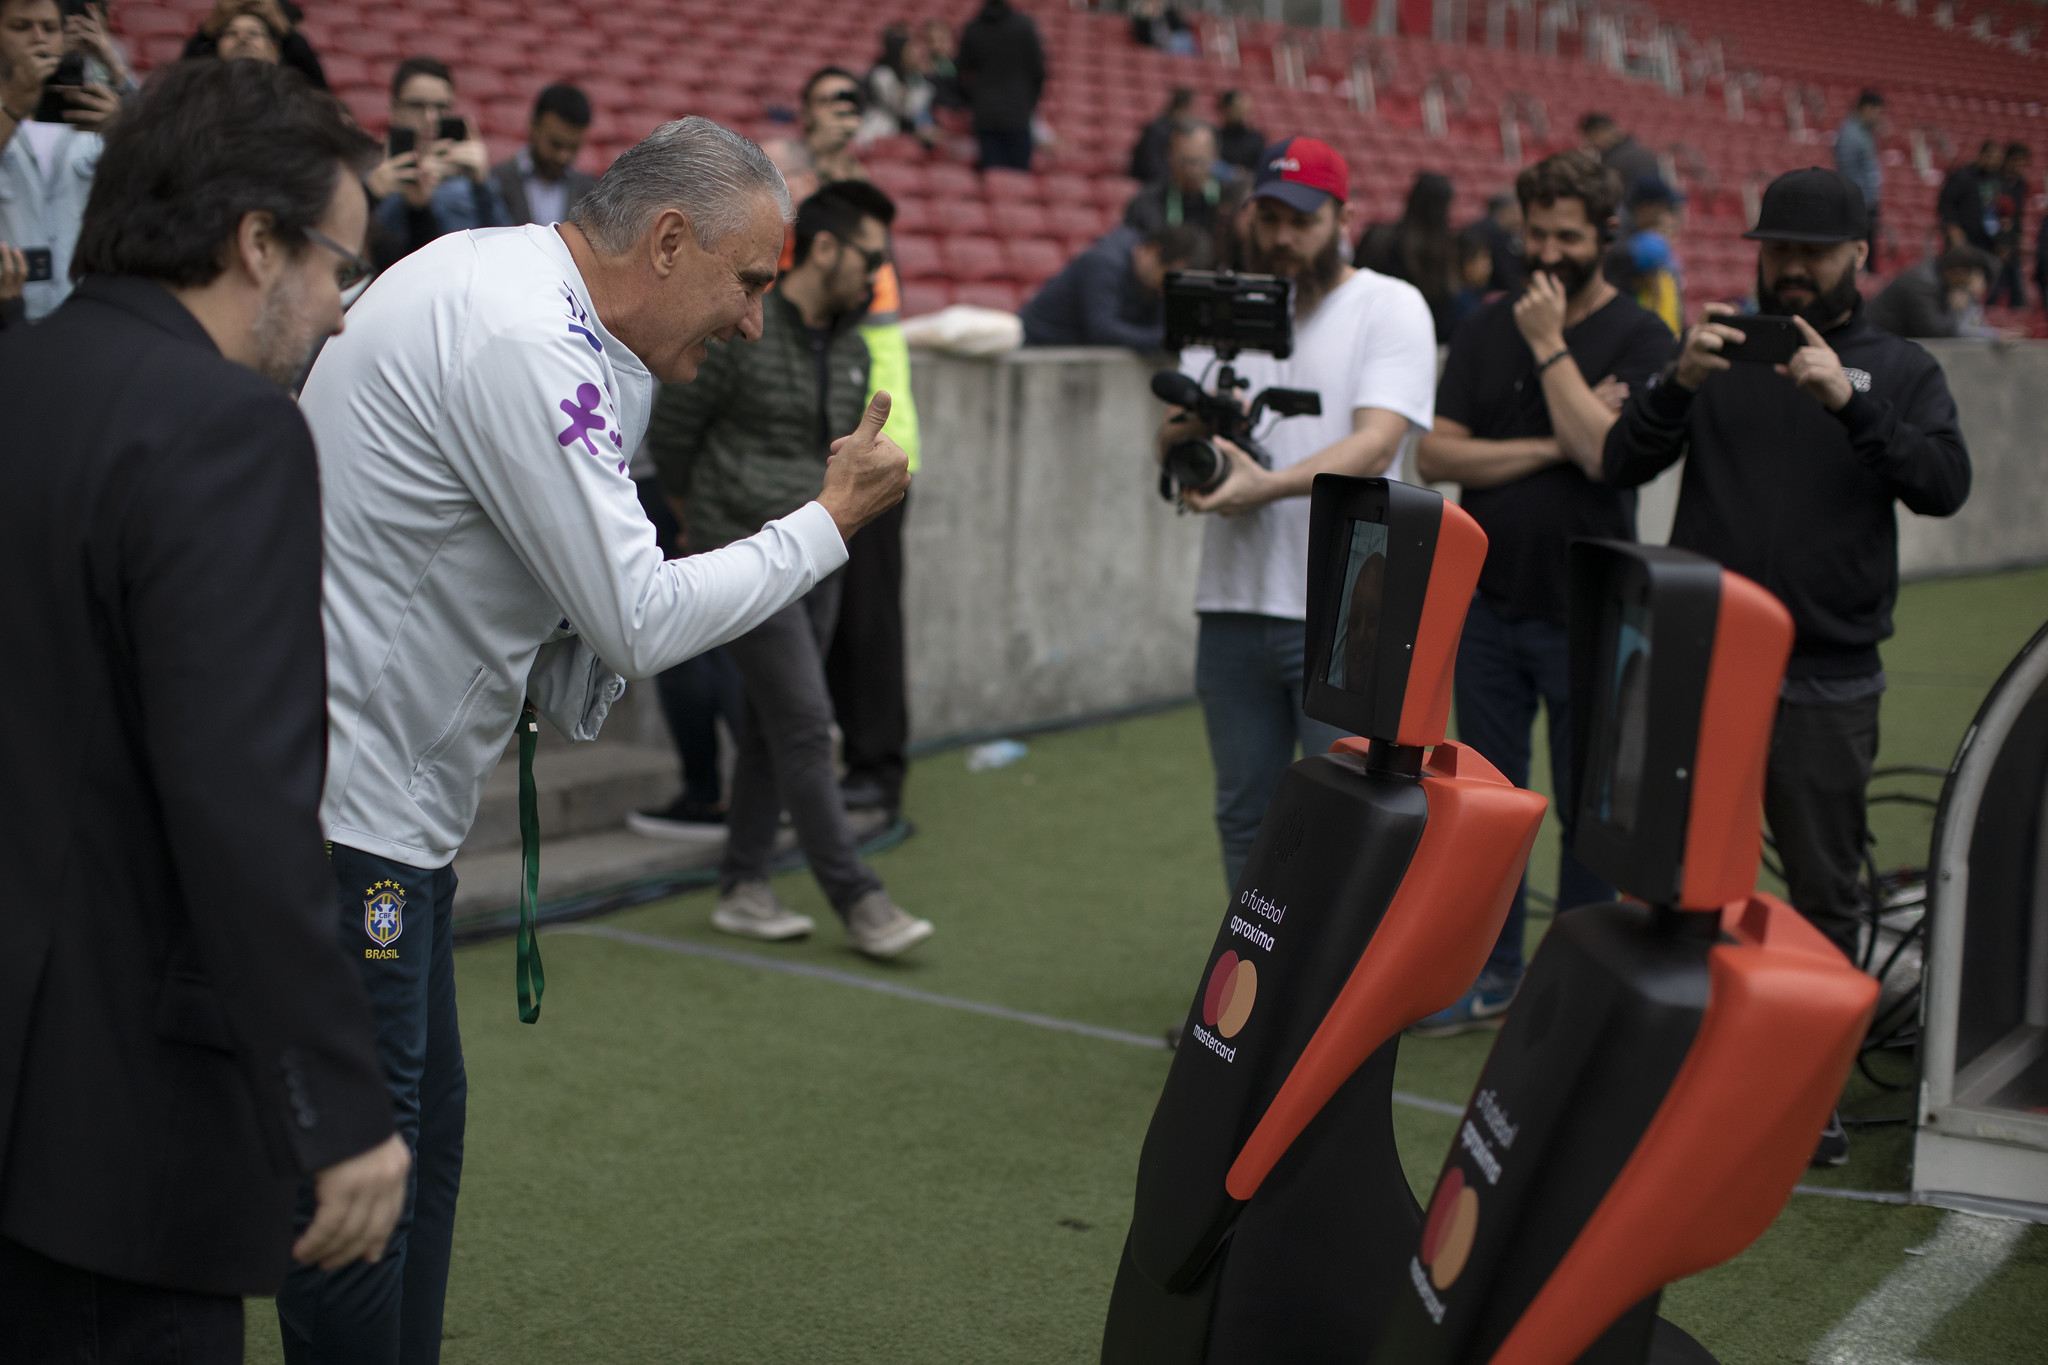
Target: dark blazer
(180, 1034)
(512, 188)
(1002, 67)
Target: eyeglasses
(353, 269)
(871, 260)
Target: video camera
(1228, 313)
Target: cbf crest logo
(384, 912)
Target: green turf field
(690, 1159)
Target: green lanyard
(528, 969)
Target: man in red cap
(1365, 343)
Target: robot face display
(1680, 660)
(1390, 569)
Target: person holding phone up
(435, 177)
(49, 148)
(1802, 429)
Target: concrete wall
(1045, 580)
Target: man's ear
(1346, 214)
(256, 254)
(1861, 254)
(670, 241)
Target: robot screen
(1356, 642)
(1623, 721)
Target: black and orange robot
(1668, 1064)
(1269, 1189)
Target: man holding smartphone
(435, 178)
(47, 155)
(1796, 457)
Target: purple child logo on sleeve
(584, 417)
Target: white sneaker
(881, 928)
(752, 910)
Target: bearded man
(1528, 393)
(1791, 481)
(1365, 343)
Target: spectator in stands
(1109, 294)
(1644, 264)
(46, 169)
(942, 69)
(1419, 248)
(2012, 225)
(899, 91)
(1238, 143)
(106, 66)
(1618, 151)
(1968, 206)
(539, 183)
(1528, 394)
(1189, 193)
(1856, 156)
(1148, 153)
(281, 17)
(1364, 343)
(1942, 296)
(1791, 473)
(442, 185)
(187, 1036)
(2041, 266)
(1502, 228)
(1475, 276)
(1002, 74)
(249, 37)
(1158, 24)
(745, 444)
(833, 101)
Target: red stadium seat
(917, 215)
(1034, 260)
(1061, 188)
(1076, 220)
(144, 21)
(969, 216)
(951, 181)
(925, 296)
(1001, 186)
(901, 180)
(1023, 220)
(974, 258)
(917, 257)
(990, 294)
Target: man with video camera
(1797, 440)
(1363, 343)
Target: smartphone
(38, 258)
(70, 72)
(1768, 340)
(454, 128)
(399, 141)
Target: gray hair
(691, 164)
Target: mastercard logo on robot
(1448, 1231)
(1227, 1003)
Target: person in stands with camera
(1528, 392)
(1365, 344)
(1792, 465)
(48, 152)
(442, 182)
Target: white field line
(1894, 1318)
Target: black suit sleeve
(1651, 434)
(221, 606)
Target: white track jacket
(483, 540)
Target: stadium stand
(1728, 92)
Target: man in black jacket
(1002, 73)
(1792, 474)
(180, 1036)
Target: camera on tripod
(1229, 313)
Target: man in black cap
(1792, 474)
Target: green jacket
(739, 445)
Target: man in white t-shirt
(484, 545)
(1365, 343)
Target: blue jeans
(390, 1312)
(1503, 668)
(1248, 677)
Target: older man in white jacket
(484, 543)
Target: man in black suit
(181, 1038)
(540, 183)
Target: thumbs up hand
(867, 473)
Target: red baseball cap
(1302, 173)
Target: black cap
(1813, 205)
